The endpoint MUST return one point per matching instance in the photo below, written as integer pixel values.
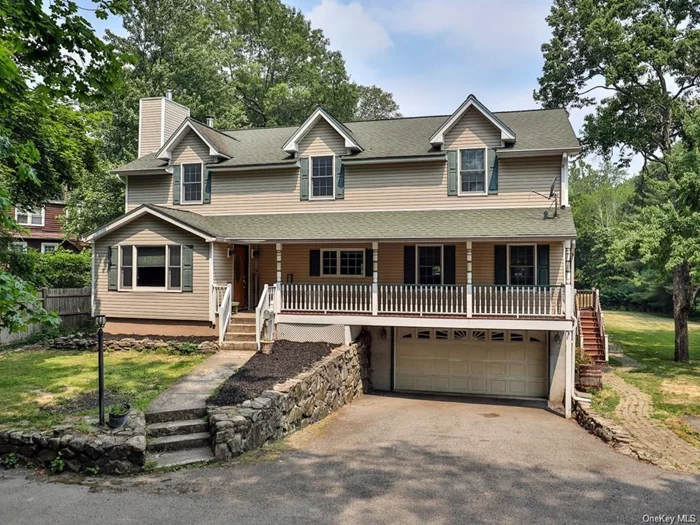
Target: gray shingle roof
(403, 137)
(381, 225)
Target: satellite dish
(552, 195)
(551, 189)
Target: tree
(645, 58)
(375, 104)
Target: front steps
(594, 344)
(241, 333)
(178, 437)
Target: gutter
(394, 160)
(255, 167)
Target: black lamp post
(101, 321)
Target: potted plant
(589, 374)
(118, 414)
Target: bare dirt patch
(82, 402)
(262, 372)
(682, 389)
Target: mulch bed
(262, 372)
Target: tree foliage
(59, 269)
(375, 104)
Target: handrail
(259, 322)
(225, 313)
(516, 300)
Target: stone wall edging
(329, 384)
(88, 342)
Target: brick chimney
(159, 117)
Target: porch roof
(509, 223)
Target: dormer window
(322, 177)
(192, 183)
(30, 218)
(472, 171)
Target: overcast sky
(431, 54)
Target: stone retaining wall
(111, 451)
(334, 381)
(88, 341)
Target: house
(42, 229)
(449, 237)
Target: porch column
(375, 278)
(470, 290)
(278, 287)
(568, 287)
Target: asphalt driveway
(386, 459)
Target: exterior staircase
(593, 342)
(240, 334)
(178, 437)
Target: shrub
(10, 461)
(65, 269)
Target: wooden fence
(71, 304)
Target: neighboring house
(42, 229)
(450, 237)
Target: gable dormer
(318, 121)
(159, 117)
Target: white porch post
(568, 287)
(212, 291)
(569, 368)
(278, 294)
(375, 278)
(470, 305)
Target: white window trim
(461, 193)
(30, 214)
(442, 262)
(311, 177)
(182, 183)
(534, 258)
(134, 266)
(23, 244)
(338, 274)
(46, 244)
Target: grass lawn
(42, 388)
(674, 387)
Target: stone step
(241, 328)
(240, 336)
(179, 458)
(187, 441)
(185, 414)
(178, 428)
(239, 345)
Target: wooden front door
(240, 275)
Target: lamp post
(101, 321)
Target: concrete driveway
(386, 459)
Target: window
(429, 265)
(472, 170)
(150, 266)
(30, 218)
(174, 267)
(19, 246)
(522, 265)
(322, 179)
(127, 266)
(343, 262)
(49, 247)
(191, 183)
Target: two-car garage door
(487, 362)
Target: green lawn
(674, 387)
(42, 388)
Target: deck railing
(340, 298)
(525, 301)
(423, 299)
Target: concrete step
(239, 345)
(240, 336)
(241, 328)
(185, 414)
(179, 458)
(187, 441)
(178, 428)
(243, 317)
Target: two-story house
(42, 229)
(449, 237)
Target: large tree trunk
(683, 295)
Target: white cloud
(354, 32)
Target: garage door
(488, 362)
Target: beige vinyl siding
(175, 114)
(322, 139)
(223, 269)
(473, 130)
(150, 126)
(192, 149)
(148, 230)
(149, 189)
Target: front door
(240, 275)
(430, 265)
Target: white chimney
(159, 117)
(210, 121)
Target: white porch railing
(218, 290)
(420, 299)
(225, 313)
(266, 303)
(342, 298)
(527, 301)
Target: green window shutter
(315, 263)
(500, 258)
(452, 172)
(206, 196)
(339, 178)
(187, 268)
(112, 267)
(369, 262)
(493, 171)
(176, 184)
(304, 184)
(409, 265)
(543, 264)
(450, 264)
